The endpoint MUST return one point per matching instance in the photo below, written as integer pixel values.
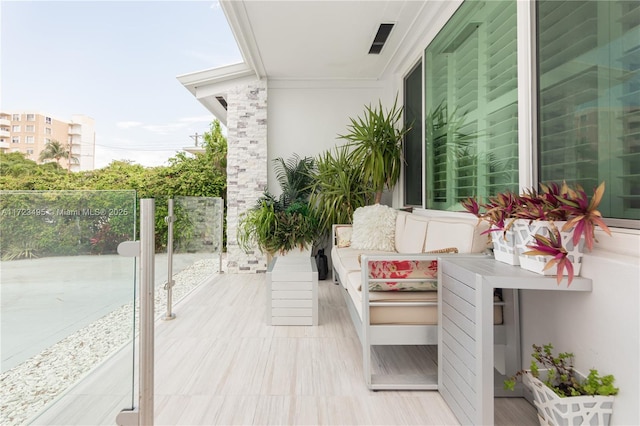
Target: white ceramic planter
(524, 236)
(504, 247)
(574, 410)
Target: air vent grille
(222, 101)
(380, 39)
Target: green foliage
(21, 250)
(561, 377)
(54, 150)
(284, 223)
(295, 178)
(376, 140)
(200, 175)
(338, 189)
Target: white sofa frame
(404, 334)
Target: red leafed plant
(583, 214)
(499, 210)
(552, 246)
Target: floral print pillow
(425, 269)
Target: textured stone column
(246, 167)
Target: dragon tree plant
(376, 139)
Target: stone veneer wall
(246, 167)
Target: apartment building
(29, 133)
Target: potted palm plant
(283, 224)
(562, 395)
(338, 188)
(376, 139)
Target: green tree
(54, 150)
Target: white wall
(306, 117)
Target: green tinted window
(589, 98)
(471, 105)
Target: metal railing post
(147, 279)
(170, 281)
(145, 250)
(221, 236)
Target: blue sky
(117, 62)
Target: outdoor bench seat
(390, 287)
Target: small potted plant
(567, 223)
(563, 396)
(284, 224)
(499, 211)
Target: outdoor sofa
(386, 263)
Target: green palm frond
(294, 177)
(376, 140)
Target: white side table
(465, 329)
(292, 291)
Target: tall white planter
(295, 253)
(525, 232)
(574, 410)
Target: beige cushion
(412, 236)
(449, 234)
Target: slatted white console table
(465, 329)
(292, 291)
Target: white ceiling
(307, 39)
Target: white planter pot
(525, 232)
(504, 247)
(295, 254)
(574, 410)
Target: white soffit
(320, 40)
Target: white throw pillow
(374, 228)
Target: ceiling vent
(380, 39)
(222, 101)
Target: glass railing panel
(197, 241)
(67, 300)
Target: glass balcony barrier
(69, 301)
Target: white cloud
(128, 124)
(199, 119)
(164, 129)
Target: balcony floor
(219, 363)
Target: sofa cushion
(374, 228)
(412, 269)
(345, 260)
(449, 234)
(410, 237)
